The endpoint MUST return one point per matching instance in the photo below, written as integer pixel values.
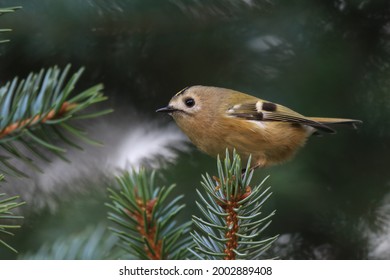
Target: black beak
(168, 109)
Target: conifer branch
(93, 243)
(147, 221)
(5, 11)
(7, 204)
(233, 221)
(36, 111)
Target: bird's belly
(269, 143)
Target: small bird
(218, 118)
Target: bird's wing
(261, 110)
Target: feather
(274, 116)
(267, 111)
(336, 121)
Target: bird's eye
(190, 102)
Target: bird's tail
(336, 121)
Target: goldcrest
(217, 118)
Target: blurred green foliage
(325, 58)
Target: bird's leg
(250, 169)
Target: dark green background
(321, 58)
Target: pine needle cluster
(7, 205)
(233, 221)
(36, 114)
(148, 228)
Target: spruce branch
(93, 243)
(7, 204)
(36, 111)
(232, 223)
(146, 219)
(5, 11)
(9, 10)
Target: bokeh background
(321, 58)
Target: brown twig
(232, 222)
(150, 233)
(34, 120)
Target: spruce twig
(233, 222)
(7, 204)
(148, 228)
(36, 112)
